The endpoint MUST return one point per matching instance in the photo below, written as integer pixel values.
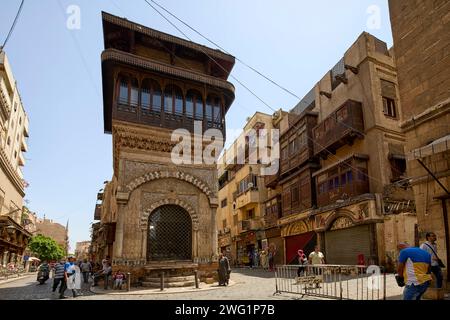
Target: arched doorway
(169, 234)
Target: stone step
(169, 284)
(170, 279)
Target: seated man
(119, 278)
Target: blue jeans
(412, 292)
(436, 270)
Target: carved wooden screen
(169, 234)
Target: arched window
(214, 109)
(123, 90)
(134, 97)
(173, 100)
(151, 96)
(194, 103)
(209, 109)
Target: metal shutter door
(344, 246)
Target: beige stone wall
(421, 44)
(365, 87)
(398, 228)
(53, 230)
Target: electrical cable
(13, 25)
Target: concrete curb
(139, 292)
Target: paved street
(27, 288)
(247, 284)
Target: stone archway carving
(342, 218)
(178, 202)
(133, 185)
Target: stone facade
(54, 230)
(82, 250)
(241, 212)
(357, 162)
(14, 132)
(138, 208)
(421, 43)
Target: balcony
(98, 212)
(21, 159)
(342, 127)
(297, 143)
(343, 181)
(250, 225)
(271, 181)
(5, 102)
(26, 126)
(23, 145)
(248, 197)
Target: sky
(58, 72)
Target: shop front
(298, 235)
(13, 241)
(246, 243)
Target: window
(251, 214)
(134, 97)
(145, 98)
(349, 177)
(9, 141)
(123, 91)
(223, 203)
(294, 194)
(389, 107)
(15, 106)
(189, 106)
(198, 108)
(15, 154)
(398, 168)
(208, 111)
(389, 95)
(178, 103)
(217, 111)
(20, 121)
(156, 98)
(168, 101)
(341, 114)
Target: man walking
(414, 266)
(86, 269)
(430, 246)
(316, 257)
(60, 278)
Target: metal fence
(341, 282)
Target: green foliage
(46, 248)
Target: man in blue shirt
(414, 265)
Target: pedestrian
(86, 269)
(250, 258)
(256, 258)
(263, 259)
(414, 268)
(271, 258)
(316, 257)
(73, 276)
(59, 278)
(118, 278)
(436, 264)
(105, 273)
(224, 270)
(302, 262)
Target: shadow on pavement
(255, 272)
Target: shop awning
(437, 146)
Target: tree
(46, 248)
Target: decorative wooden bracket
(342, 78)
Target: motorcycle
(42, 276)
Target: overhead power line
(221, 48)
(254, 94)
(13, 25)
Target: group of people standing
(264, 258)
(69, 275)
